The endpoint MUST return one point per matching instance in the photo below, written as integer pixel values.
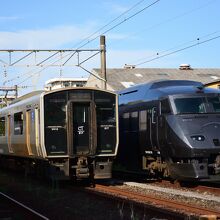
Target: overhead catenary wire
(116, 26)
(121, 22)
(172, 18)
(173, 48)
(38, 72)
(110, 22)
(108, 30)
(89, 41)
(179, 50)
(38, 67)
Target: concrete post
(103, 61)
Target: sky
(147, 33)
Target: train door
(28, 132)
(10, 149)
(81, 124)
(37, 131)
(154, 128)
(165, 110)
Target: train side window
(2, 126)
(18, 123)
(134, 114)
(126, 121)
(143, 120)
(165, 107)
(134, 121)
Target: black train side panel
(170, 128)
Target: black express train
(66, 133)
(170, 128)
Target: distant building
(120, 78)
(7, 95)
(58, 83)
(4, 101)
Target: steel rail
(156, 201)
(23, 206)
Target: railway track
(12, 209)
(161, 204)
(213, 190)
(208, 188)
(120, 200)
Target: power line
(110, 22)
(179, 50)
(173, 48)
(121, 22)
(173, 18)
(116, 25)
(126, 19)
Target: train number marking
(80, 130)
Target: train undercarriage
(201, 169)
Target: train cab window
(18, 123)
(105, 114)
(143, 120)
(106, 121)
(165, 107)
(190, 105)
(79, 94)
(55, 110)
(196, 105)
(215, 103)
(2, 126)
(55, 123)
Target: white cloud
(115, 8)
(54, 37)
(2, 18)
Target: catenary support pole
(103, 61)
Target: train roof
(161, 88)
(26, 96)
(35, 95)
(39, 92)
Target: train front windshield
(197, 105)
(106, 123)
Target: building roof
(120, 78)
(66, 79)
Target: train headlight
(198, 137)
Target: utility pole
(103, 61)
(16, 91)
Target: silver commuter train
(65, 133)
